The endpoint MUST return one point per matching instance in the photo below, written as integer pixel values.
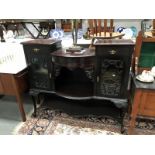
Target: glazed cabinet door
(40, 67)
(112, 70)
(38, 56)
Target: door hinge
(36, 50)
(50, 75)
(98, 78)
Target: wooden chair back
(99, 27)
(137, 52)
(102, 29)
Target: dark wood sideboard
(101, 74)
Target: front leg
(36, 100)
(122, 114)
(34, 106)
(1, 96)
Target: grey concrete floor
(10, 117)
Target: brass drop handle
(98, 78)
(136, 60)
(36, 49)
(136, 65)
(50, 75)
(112, 52)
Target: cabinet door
(40, 67)
(112, 70)
(109, 77)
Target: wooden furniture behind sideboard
(14, 85)
(143, 102)
(143, 94)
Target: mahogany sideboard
(100, 74)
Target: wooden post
(153, 32)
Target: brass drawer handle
(112, 52)
(136, 65)
(36, 49)
(50, 75)
(136, 60)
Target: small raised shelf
(74, 74)
(75, 90)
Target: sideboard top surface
(41, 42)
(114, 42)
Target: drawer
(73, 62)
(40, 49)
(113, 50)
(37, 54)
(36, 49)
